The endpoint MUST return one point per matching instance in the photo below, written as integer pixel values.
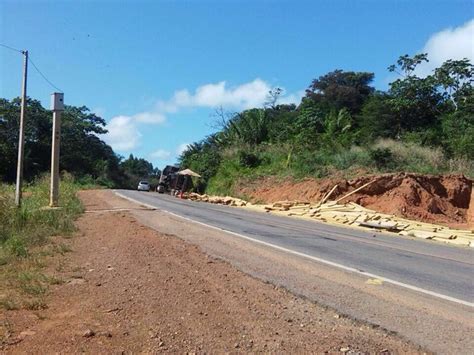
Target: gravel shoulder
(129, 288)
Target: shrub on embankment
(384, 156)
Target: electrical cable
(34, 65)
(11, 48)
(44, 77)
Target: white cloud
(150, 117)
(244, 96)
(450, 43)
(123, 134)
(294, 98)
(160, 154)
(181, 148)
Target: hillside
(437, 199)
(346, 129)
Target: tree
(272, 97)
(83, 153)
(376, 119)
(458, 129)
(137, 167)
(416, 102)
(203, 157)
(340, 89)
(455, 78)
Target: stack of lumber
(219, 200)
(352, 214)
(349, 214)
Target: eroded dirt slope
(130, 289)
(436, 199)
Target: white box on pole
(57, 101)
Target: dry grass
(410, 152)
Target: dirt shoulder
(131, 289)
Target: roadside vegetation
(29, 235)
(83, 153)
(344, 126)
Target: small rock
(236, 345)
(344, 350)
(26, 333)
(337, 316)
(160, 344)
(76, 281)
(88, 333)
(106, 334)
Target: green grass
(25, 241)
(384, 156)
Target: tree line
(83, 153)
(344, 121)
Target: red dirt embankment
(436, 199)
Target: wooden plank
(356, 190)
(327, 196)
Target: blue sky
(156, 70)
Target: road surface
(424, 266)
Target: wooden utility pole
(57, 105)
(21, 139)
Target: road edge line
(306, 256)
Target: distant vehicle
(143, 186)
(161, 189)
(169, 178)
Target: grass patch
(8, 304)
(25, 241)
(32, 283)
(384, 156)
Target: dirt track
(131, 289)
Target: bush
(248, 160)
(412, 157)
(382, 157)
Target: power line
(34, 65)
(11, 48)
(44, 77)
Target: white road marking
(314, 258)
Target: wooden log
(380, 225)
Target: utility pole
(21, 139)
(57, 105)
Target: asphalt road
(439, 269)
